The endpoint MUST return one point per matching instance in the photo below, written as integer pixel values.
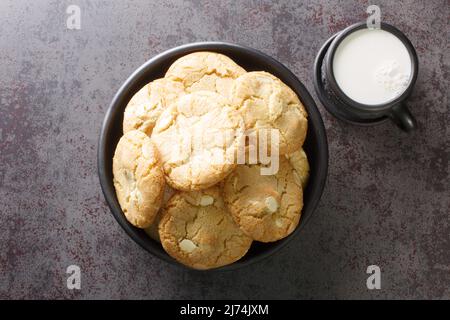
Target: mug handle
(403, 118)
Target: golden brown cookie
(138, 178)
(266, 207)
(299, 161)
(147, 104)
(197, 137)
(205, 71)
(198, 231)
(152, 230)
(267, 103)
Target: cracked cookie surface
(205, 71)
(197, 230)
(299, 161)
(146, 105)
(197, 137)
(138, 178)
(152, 230)
(266, 207)
(265, 102)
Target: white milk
(372, 66)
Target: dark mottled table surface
(386, 201)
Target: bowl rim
(139, 75)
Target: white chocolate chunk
(278, 223)
(271, 204)
(187, 245)
(298, 113)
(130, 181)
(206, 201)
(129, 177)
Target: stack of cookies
(188, 171)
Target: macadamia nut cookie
(266, 207)
(265, 102)
(147, 104)
(197, 230)
(152, 230)
(299, 161)
(198, 137)
(205, 71)
(138, 178)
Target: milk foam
(372, 66)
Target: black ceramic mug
(357, 112)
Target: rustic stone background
(386, 201)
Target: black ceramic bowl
(315, 146)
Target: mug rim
(370, 108)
